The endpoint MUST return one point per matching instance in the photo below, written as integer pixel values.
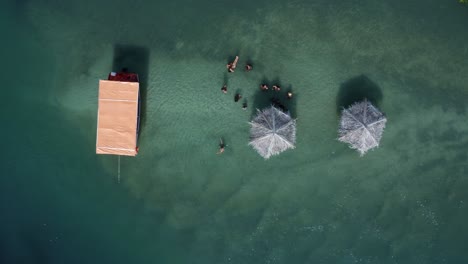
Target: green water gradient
(179, 202)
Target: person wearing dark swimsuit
(221, 147)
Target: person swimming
(221, 146)
(232, 66)
(248, 67)
(289, 95)
(224, 89)
(276, 88)
(237, 97)
(263, 87)
(244, 106)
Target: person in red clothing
(232, 66)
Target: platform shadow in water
(358, 89)
(134, 59)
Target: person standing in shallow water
(237, 97)
(248, 67)
(221, 147)
(224, 89)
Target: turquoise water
(179, 202)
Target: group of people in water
(231, 67)
(277, 88)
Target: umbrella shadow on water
(279, 99)
(357, 89)
(134, 59)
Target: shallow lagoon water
(179, 202)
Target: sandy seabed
(179, 202)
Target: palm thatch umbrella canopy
(272, 132)
(361, 126)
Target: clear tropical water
(179, 202)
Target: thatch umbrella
(361, 126)
(272, 132)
